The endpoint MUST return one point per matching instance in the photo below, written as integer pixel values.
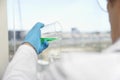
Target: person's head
(114, 16)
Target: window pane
(85, 27)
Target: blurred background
(84, 25)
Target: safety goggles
(103, 4)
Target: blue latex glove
(33, 38)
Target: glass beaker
(53, 34)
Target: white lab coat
(72, 66)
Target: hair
(111, 1)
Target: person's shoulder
(76, 64)
(86, 57)
(113, 48)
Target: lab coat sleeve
(23, 65)
(55, 71)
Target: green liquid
(48, 39)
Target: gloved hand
(33, 38)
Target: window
(85, 27)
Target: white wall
(3, 36)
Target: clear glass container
(53, 34)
